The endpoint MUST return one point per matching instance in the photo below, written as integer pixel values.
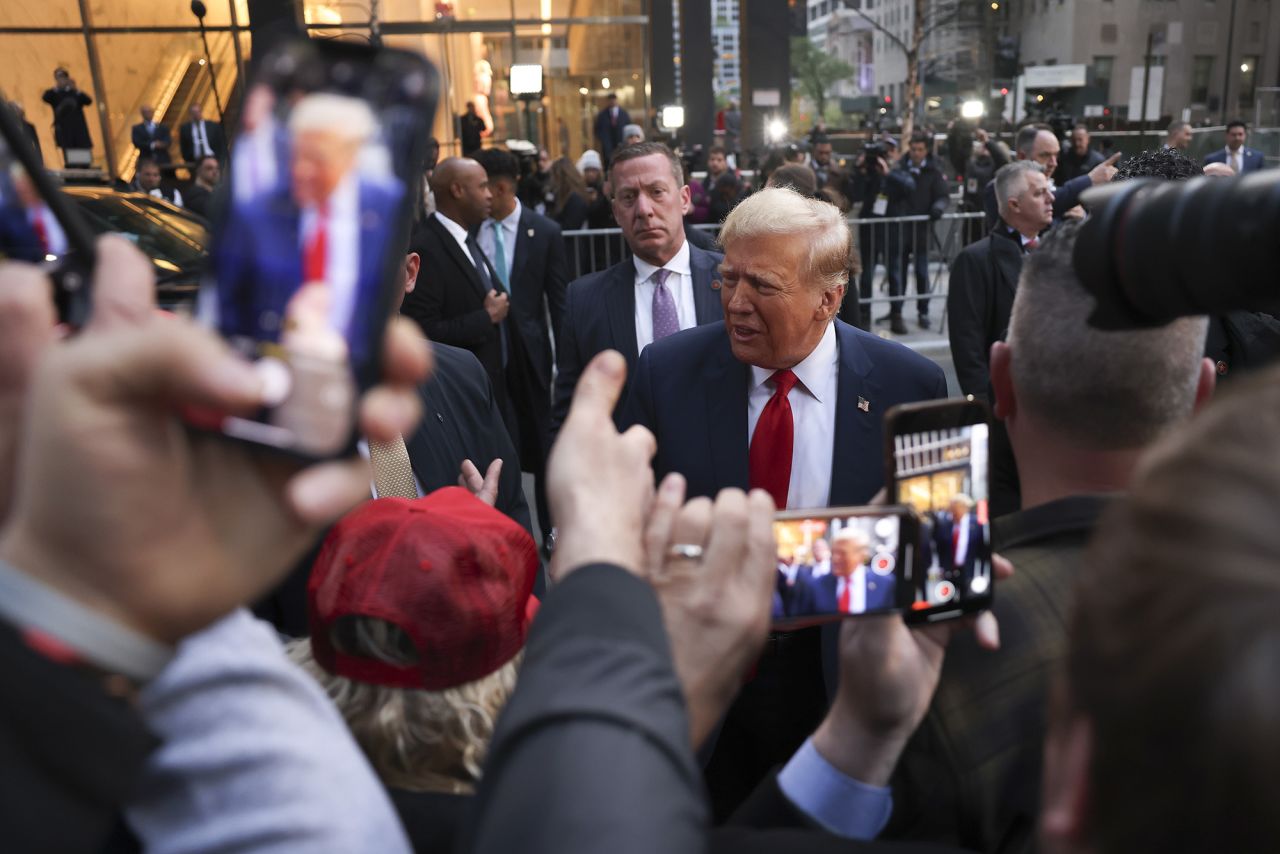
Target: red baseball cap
(454, 574)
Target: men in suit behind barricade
(667, 286)
(460, 298)
(327, 229)
(151, 138)
(200, 138)
(1236, 154)
(526, 252)
(781, 396)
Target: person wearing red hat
(418, 612)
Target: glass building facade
(130, 53)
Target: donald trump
(327, 229)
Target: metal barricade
(888, 248)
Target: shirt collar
(459, 233)
(510, 221)
(678, 264)
(815, 369)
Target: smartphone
(309, 238)
(40, 225)
(938, 465)
(842, 562)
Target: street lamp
(198, 9)
(973, 109)
(776, 129)
(526, 85)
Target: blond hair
(783, 211)
(422, 741)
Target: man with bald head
(460, 298)
(151, 138)
(327, 227)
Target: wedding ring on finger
(688, 551)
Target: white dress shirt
(680, 283)
(510, 233)
(857, 584)
(457, 232)
(820, 568)
(157, 194)
(813, 411)
(200, 140)
(962, 544)
(342, 249)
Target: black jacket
(929, 194)
(212, 131)
(984, 278)
(143, 139)
(898, 186)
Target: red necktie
(843, 604)
(41, 233)
(770, 454)
(1031, 244)
(313, 259)
(955, 543)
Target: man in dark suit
(984, 277)
(608, 127)
(199, 196)
(1236, 154)
(1079, 159)
(460, 299)
(851, 587)
(958, 538)
(151, 138)
(70, 130)
(784, 397)
(614, 309)
(330, 229)
(199, 138)
(28, 130)
(526, 252)
(471, 130)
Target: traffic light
(888, 99)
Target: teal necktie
(500, 255)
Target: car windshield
(171, 242)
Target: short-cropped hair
(498, 163)
(1025, 141)
(423, 741)
(1174, 127)
(345, 117)
(647, 149)
(1238, 123)
(1100, 390)
(783, 211)
(1174, 643)
(795, 176)
(1011, 179)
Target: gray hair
(1102, 390)
(783, 211)
(423, 741)
(852, 534)
(1011, 180)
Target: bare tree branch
(941, 22)
(876, 24)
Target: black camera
(871, 152)
(1152, 251)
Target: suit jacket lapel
(857, 436)
(454, 251)
(706, 296)
(620, 301)
(524, 245)
(726, 387)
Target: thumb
(599, 387)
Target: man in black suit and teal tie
(625, 308)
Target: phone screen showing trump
(840, 562)
(311, 228)
(942, 473)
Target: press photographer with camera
(883, 192)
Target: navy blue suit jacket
(819, 595)
(692, 393)
(1252, 161)
(600, 314)
(259, 264)
(142, 139)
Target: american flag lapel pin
(864, 404)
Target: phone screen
(28, 229)
(841, 562)
(940, 469)
(308, 254)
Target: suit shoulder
(457, 362)
(690, 347)
(593, 281)
(898, 356)
(706, 255)
(542, 224)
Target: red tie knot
(784, 381)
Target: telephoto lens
(1154, 250)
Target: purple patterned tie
(665, 319)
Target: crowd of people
(212, 649)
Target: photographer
(929, 198)
(883, 192)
